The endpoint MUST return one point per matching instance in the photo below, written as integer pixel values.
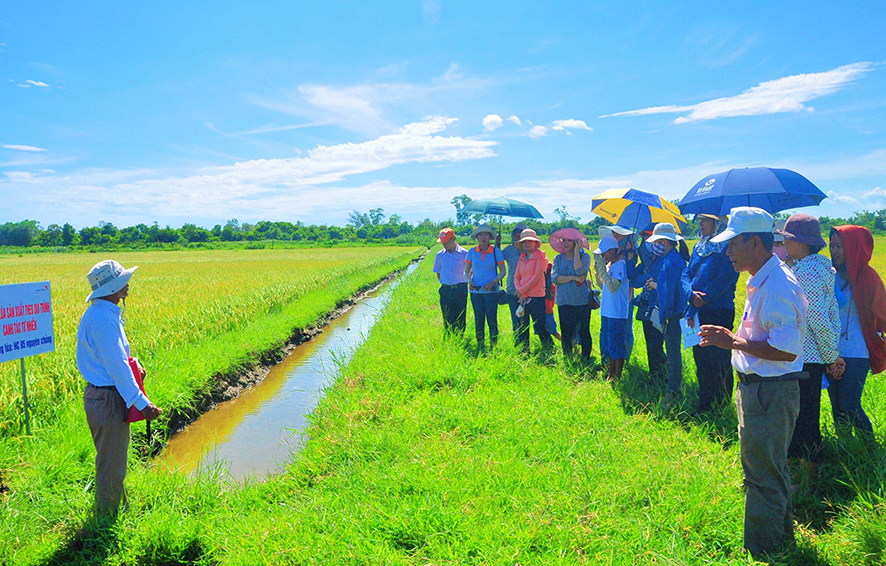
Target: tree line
(364, 227)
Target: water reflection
(256, 433)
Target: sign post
(25, 327)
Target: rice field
(190, 315)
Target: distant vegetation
(362, 227)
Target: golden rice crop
(179, 299)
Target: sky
(199, 112)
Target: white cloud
(492, 123)
(786, 94)
(566, 125)
(22, 147)
(37, 83)
(842, 198)
(536, 132)
(24, 86)
(514, 120)
(364, 107)
(257, 186)
(875, 193)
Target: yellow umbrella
(636, 209)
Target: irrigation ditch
(232, 399)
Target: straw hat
(528, 235)
(106, 278)
(664, 231)
(483, 228)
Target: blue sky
(202, 112)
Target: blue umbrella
(502, 207)
(773, 190)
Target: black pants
(454, 304)
(806, 441)
(714, 365)
(485, 313)
(655, 354)
(535, 309)
(575, 322)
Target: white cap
(745, 220)
(106, 278)
(606, 244)
(664, 231)
(604, 231)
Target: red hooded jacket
(867, 290)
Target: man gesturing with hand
(767, 354)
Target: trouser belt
(102, 386)
(455, 286)
(747, 378)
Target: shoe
(669, 401)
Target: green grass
(425, 453)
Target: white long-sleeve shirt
(103, 352)
(774, 312)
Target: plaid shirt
(816, 276)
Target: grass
(425, 453)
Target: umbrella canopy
(636, 209)
(556, 239)
(502, 207)
(773, 190)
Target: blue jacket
(638, 274)
(712, 275)
(671, 300)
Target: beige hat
(483, 228)
(664, 231)
(528, 235)
(107, 277)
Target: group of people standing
(808, 322)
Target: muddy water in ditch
(257, 433)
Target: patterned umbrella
(636, 209)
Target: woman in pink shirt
(529, 279)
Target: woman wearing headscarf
(862, 327)
(529, 280)
(670, 301)
(709, 291)
(814, 272)
(570, 273)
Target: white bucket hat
(604, 231)
(664, 231)
(107, 277)
(745, 220)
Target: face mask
(780, 252)
(658, 248)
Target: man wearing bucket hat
(449, 265)
(816, 275)
(708, 285)
(103, 360)
(484, 270)
(767, 354)
(671, 304)
(511, 254)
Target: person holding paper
(670, 307)
(709, 290)
(103, 360)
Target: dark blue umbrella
(502, 207)
(773, 190)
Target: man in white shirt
(767, 353)
(103, 361)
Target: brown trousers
(106, 415)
